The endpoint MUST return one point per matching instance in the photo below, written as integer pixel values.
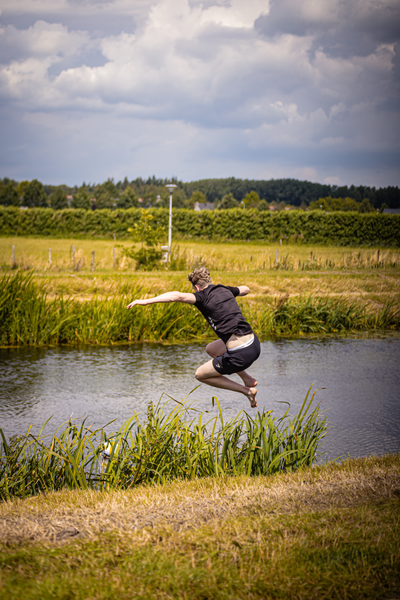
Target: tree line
(221, 193)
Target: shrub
(315, 227)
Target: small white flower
(107, 448)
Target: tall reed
(305, 314)
(27, 316)
(168, 445)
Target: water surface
(360, 380)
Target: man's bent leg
(207, 374)
(247, 379)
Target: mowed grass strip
(324, 532)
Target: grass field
(234, 256)
(328, 532)
(368, 275)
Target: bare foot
(252, 396)
(248, 380)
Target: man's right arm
(186, 298)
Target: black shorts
(234, 360)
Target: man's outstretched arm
(167, 297)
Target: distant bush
(316, 227)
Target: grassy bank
(29, 317)
(321, 533)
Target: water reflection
(360, 378)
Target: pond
(360, 381)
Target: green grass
(29, 317)
(181, 444)
(321, 533)
(367, 276)
(235, 257)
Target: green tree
(35, 195)
(180, 199)
(365, 206)
(21, 187)
(128, 199)
(148, 257)
(81, 199)
(124, 184)
(8, 194)
(105, 200)
(107, 195)
(58, 199)
(263, 205)
(330, 204)
(251, 200)
(198, 196)
(228, 201)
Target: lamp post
(171, 188)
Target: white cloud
(204, 71)
(42, 40)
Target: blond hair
(200, 276)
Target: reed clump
(308, 315)
(168, 445)
(29, 317)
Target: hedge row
(339, 228)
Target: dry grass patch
(189, 505)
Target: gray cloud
(347, 28)
(96, 25)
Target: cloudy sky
(91, 89)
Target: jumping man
(237, 348)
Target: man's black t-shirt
(218, 305)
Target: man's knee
(210, 351)
(198, 375)
(216, 348)
(205, 372)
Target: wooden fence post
(50, 257)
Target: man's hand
(243, 290)
(138, 302)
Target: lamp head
(171, 187)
